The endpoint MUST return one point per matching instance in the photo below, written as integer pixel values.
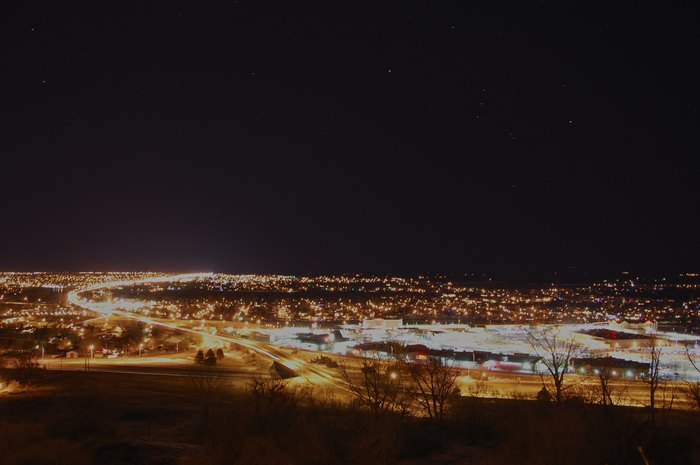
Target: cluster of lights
(271, 298)
(274, 301)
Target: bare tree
(604, 375)
(26, 360)
(434, 384)
(276, 405)
(207, 388)
(692, 388)
(653, 379)
(378, 386)
(26, 368)
(556, 353)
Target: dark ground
(116, 419)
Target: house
(614, 368)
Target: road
(311, 372)
(476, 382)
(176, 365)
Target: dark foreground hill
(119, 419)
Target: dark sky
(527, 138)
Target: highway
(481, 382)
(176, 365)
(313, 373)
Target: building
(614, 368)
(381, 323)
(645, 326)
(612, 339)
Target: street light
(140, 348)
(92, 350)
(42, 350)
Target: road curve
(310, 372)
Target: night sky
(520, 140)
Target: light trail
(266, 350)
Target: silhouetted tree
(378, 387)
(199, 357)
(434, 385)
(276, 404)
(604, 375)
(26, 368)
(653, 379)
(210, 358)
(208, 389)
(543, 395)
(555, 353)
(220, 354)
(692, 389)
(132, 335)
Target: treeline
(412, 414)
